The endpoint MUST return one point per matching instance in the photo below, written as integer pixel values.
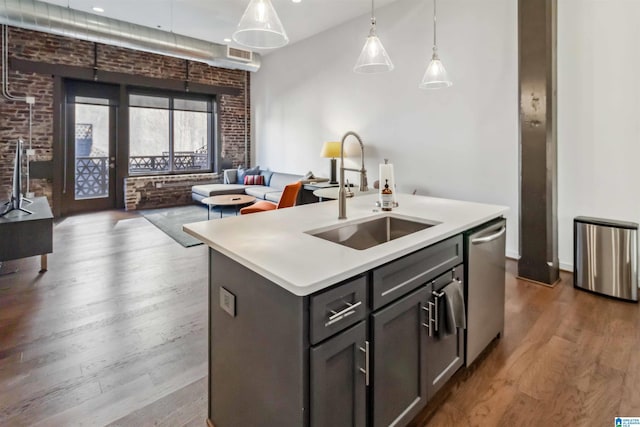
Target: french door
(89, 182)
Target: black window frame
(212, 132)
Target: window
(170, 134)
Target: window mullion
(171, 137)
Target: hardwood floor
(115, 334)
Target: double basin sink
(371, 232)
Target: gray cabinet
(399, 371)
(365, 352)
(445, 352)
(338, 380)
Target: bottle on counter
(386, 194)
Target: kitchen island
(308, 332)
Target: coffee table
(227, 200)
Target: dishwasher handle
(489, 238)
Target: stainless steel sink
(367, 234)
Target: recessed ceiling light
(98, 9)
(227, 39)
(296, 1)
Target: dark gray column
(538, 146)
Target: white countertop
(274, 243)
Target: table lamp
(331, 150)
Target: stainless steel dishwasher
(485, 260)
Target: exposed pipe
(5, 92)
(5, 67)
(53, 19)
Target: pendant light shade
(373, 57)
(435, 77)
(260, 27)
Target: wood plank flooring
(115, 333)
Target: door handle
(436, 303)
(489, 238)
(365, 371)
(430, 320)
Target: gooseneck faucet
(342, 199)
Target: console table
(24, 235)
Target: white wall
(460, 142)
(598, 114)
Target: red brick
(42, 47)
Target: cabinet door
(399, 364)
(445, 354)
(338, 387)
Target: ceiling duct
(62, 21)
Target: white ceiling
(215, 20)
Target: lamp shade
(331, 149)
(373, 57)
(260, 27)
(435, 77)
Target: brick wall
(144, 192)
(36, 46)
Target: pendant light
(260, 27)
(373, 57)
(436, 76)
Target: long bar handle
(430, 320)
(347, 311)
(365, 371)
(487, 239)
(436, 303)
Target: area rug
(171, 220)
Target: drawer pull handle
(405, 283)
(347, 311)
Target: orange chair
(287, 200)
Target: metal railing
(92, 177)
(182, 161)
(92, 173)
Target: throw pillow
(246, 171)
(230, 176)
(267, 176)
(253, 180)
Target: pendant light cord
(435, 45)
(373, 18)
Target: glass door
(90, 147)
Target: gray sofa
(271, 191)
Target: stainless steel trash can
(605, 257)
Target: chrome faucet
(342, 199)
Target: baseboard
(562, 265)
(512, 255)
(535, 282)
(566, 267)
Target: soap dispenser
(386, 199)
(386, 195)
